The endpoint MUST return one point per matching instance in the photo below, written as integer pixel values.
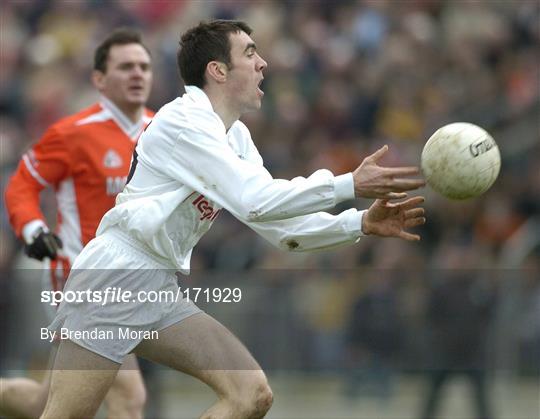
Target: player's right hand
(392, 219)
(45, 245)
(374, 181)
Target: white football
(460, 161)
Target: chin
(137, 101)
(253, 108)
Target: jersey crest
(112, 159)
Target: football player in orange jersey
(85, 157)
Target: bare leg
(204, 348)
(80, 379)
(26, 398)
(127, 395)
(22, 397)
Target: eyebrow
(250, 45)
(134, 63)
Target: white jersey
(187, 167)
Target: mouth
(259, 90)
(136, 89)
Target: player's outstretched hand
(390, 219)
(374, 181)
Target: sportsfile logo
(207, 211)
(110, 295)
(118, 295)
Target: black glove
(45, 245)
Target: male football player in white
(195, 158)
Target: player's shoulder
(65, 126)
(241, 136)
(76, 118)
(240, 130)
(148, 115)
(188, 112)
(198, 109)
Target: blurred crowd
(344, 77)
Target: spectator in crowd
(373, 339)
(460, 309)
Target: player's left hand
(390, 219)
(45, 244)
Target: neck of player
(223, 107)
(134, 113)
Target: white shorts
(116, 296)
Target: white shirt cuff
(354, 224)
(361, 218)
(31, 228)
(343, 187)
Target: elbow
(251, 209)
(10, 195)
(256, 214)
(257, 211)
(261, 216)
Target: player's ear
(217, 71)
(98, 79)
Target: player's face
(246, 73)
(128, 76)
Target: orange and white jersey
(85, 157)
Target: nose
(138, 71)
(262, 64)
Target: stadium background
(351, 333)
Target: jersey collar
(199, 96)
(131, 129)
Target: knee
(257, 402)
(136, 400)
(126, 400)
(263, 399)
(22, 397)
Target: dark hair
(120, 36)
(209, 41)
